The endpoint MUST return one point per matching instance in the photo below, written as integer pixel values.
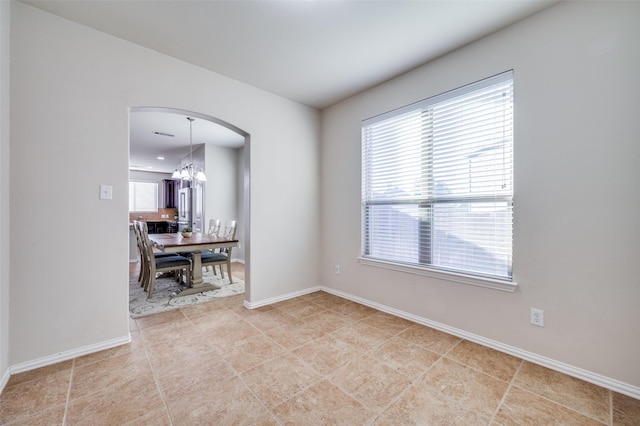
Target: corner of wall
(5, 23)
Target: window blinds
(437, 181)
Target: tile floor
(314, 360)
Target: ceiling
(157, 133)
(315, 52)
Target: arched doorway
(159, 137)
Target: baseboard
(272, 300)
(579, 373)
(64, 356)
(4, 379)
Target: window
(437, 182)
(143, 196)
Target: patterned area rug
(164, 300)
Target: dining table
(196, 244)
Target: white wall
(72, 88)
(577, 228)
(239, 252)
(223, 190)
(4, 191)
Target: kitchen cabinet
(171, 188)
(162, 227)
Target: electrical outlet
(336, 268)
(537, 317)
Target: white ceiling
(156, 133)
(313, 52)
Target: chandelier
(189, 172)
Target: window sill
(449, 276)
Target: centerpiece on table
(186, 232)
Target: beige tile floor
(314, 360)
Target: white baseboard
(63, 356)
(579, 373)
(272, 300)
(4, 379)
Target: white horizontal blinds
(438, 181)
(143, 196)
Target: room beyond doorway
(161, 140)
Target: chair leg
(229, 271)
(145, 280)
(143, 273)
(152, 286)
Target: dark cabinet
(162, 227)
(151, 227)
(171, 189)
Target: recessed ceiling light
(160, 158)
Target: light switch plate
(106, 192)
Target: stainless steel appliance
(191, 208)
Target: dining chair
(138, 228)
(214, 227)
(222, 257)
(161, 262)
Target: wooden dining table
(175, 243)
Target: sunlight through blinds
(437, 181)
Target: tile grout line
(323, 377)
(506, 392)
(239, 376)
(511, 384)
(328, 377)
(155, 379)
(375, 413)
(411, 385)
(412, 381)
(68, 401)
(610, 407)
(560, 404)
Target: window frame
(495, 282)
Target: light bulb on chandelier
(189, 171)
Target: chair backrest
(141, 231)
(230, 227)
(136, 229)
(214, 227)
(145, 244)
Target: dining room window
(143, 196)
(437, 182)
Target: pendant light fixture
(189, 172)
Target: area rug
(163, 298)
